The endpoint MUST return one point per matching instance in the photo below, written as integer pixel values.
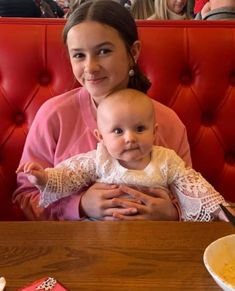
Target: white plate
(219, 259)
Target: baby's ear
(98, 135)
(155, 128)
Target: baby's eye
(140, 128)
(118, 131)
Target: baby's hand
(35, 172)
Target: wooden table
(109, 255)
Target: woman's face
(176, 6)
(99, 58)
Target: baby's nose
(130, 137)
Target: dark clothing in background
(19, 8)
(56, 10)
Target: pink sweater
(64, 127)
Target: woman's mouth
(95, 81)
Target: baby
(125, 154)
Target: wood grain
(109, 255)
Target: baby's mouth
(131, 149)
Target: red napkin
(44, 284)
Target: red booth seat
(192, 68)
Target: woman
(171, 10)
(103, 49)
(142, 9)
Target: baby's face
(128, 132)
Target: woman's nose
(91, 65)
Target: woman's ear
(135, 50)
(98, 135)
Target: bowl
(219, 260)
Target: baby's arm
(198, 199)
(36, 174)
(67, 177)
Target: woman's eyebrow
(95, 47)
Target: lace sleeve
(69, 176)
(198, 200)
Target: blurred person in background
(191, 4)
(73, 4)
(19, 8)
(217, 10)
(171, 10)
(50, 9)
(142, 9)
(63, 3)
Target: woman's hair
(113, 14)
(161, 9)
(142, 9)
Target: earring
(131, 73)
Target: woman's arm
(42, 146)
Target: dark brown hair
(116, 16)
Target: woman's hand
(156, 205)
(100, 202)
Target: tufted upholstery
(192, 68)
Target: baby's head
(126, 126)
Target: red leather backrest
(191, 66)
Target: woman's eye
(104, 51)
(118, 131)
(140, 128)
(78, 56)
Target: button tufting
(232, 78)
(230, 158)
(19, 118)
(186, 77)
(207, 118)
(44, 78)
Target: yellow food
(227, 273)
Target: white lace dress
(198, 200)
